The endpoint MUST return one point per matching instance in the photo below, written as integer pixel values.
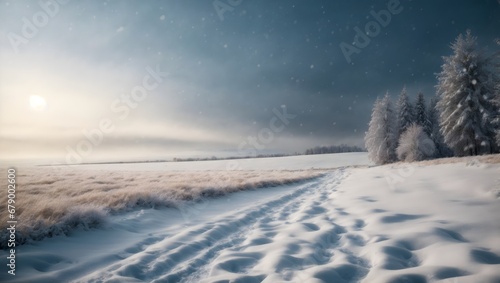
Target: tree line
(333, 149)
(462, 119)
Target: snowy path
(290, 233)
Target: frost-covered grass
(488, 159)
(55, 201)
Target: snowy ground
(302, 162)
(397, 223)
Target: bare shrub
(415, 145)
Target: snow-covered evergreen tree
(496, 63)
(380, 140)
(466, 99)
(435, 134)
(415, 145)
(421, 114)
(404, 112)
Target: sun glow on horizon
(38, 103)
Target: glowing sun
(38, 103)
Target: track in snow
(292, 237)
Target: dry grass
(52, 201)
(487, 159)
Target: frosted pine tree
(404, 112)
(380, 140)
(496, 63)
(466, 94)
(435, 135)
(421, 114)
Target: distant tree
(415, 145)
(333, 149)
(466, 93)
(404, 112)
(435, 134)
(380, 140)
(421, 114)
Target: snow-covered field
(396, 223)
(302, 162)
(53, 202)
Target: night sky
(227, 71)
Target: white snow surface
(301, 162)
(396, 223)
